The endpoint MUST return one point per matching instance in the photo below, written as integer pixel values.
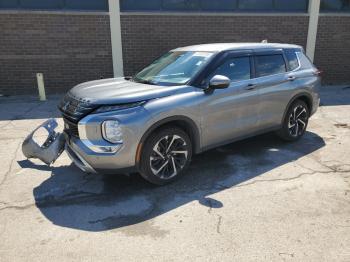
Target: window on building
(255, 4)
(291, 5)
(335, 5)
(219, 5)
(176, 5)
(4, 4)
(215, 5)
(41, 4)
(87, 4)
(181, 5)
(269, 65)
(292, 58)
(137, 5)
(83, 5)
(236, 69)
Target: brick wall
(145, 37)
(73, 48)
(67, 48)
(332, 53)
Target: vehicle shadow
(70, 198)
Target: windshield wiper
(129, 78)
(147, 82)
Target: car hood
(120, 91)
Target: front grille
(71, 128)
(74, 109)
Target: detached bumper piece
(51, 149)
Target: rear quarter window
(292, 59)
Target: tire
(295, 121)
(165, 156)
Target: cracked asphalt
(255, 200)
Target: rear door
(275, 85)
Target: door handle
(250, 87)
(291, 78)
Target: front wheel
(295, 121)
(166, 154)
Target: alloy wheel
(169, 156)
(297, 121)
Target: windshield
(173, 68)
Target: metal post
(314, 10)
(41, 86)
(116, 37)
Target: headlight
(112, 132)
(103, 109)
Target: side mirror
(219, 82)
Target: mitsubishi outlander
(189, 100)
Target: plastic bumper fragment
(51, 149)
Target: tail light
(318, 72)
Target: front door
(232, 112)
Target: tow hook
(51, 149)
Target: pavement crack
(210, 206)
(17, 207)
(312, 172)
(70, 199)
(120, 219)
(271, 180)
(6, 125)
(286, 254)
(13, 159)
(331, 169)
(218, 225)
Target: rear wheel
(295, 121)
(165, 156)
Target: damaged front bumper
(89, 151)
(78, 160)
(51, 149)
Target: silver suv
(187, 101)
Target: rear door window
(269, 65)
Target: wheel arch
(183, 122)
(305, 97)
